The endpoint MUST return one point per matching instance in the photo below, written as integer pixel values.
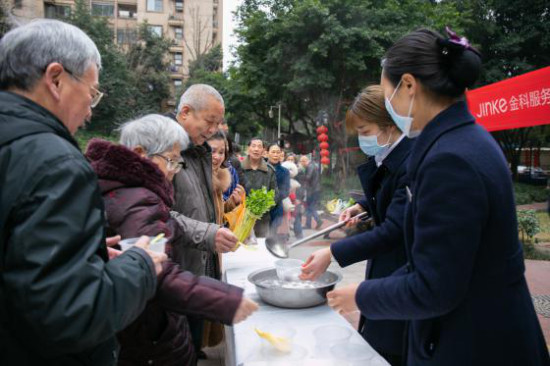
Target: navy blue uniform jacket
(464, 288)
(384, 246)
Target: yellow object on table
(282, 344)
(156, 238)
(245, 246)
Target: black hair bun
(461, 61)
(466, 69)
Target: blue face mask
(369, 145)
(402, 122)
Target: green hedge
(526, 193)
(83, 136)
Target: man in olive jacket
(61, 300)
(260, 173)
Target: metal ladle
(281, 250)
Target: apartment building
(194, 26)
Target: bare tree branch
(201, 40)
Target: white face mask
(404, 123)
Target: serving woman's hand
(350, 212)
(316, 264)
(342, 300)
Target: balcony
(176, 48)
(175, 19)
(126, 11)
(175, 70)
(122, 14)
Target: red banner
(521, 101)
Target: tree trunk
(512, 142)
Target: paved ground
(539, 206)
(537, 274)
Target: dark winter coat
(384, 246)
(312, 181)
(264, 176)
(464, 288)
(234, 181)
(61, 300)
(282, 176)
(137, 200)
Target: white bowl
(329, 335)
(276, 330)
(353, 353)
(159, 246)
(288, 270)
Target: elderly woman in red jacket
(135, 179)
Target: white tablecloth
(245, 348)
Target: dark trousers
(393, 360)
(276, 218)
(196, 326)
(261, 228)
(298, 220)
(311, 208)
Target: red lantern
(322, 129)
(325, 152)
(322, 137)
(325, 160)
(324, 145)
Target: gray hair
(196, 97)
(155, 133)
(26, 52)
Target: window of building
(127, 11)
(179, 6)
(178, 33)
(155, 29)
(178, 83)
(53, 11)
(103, 10)
(154, 5)
(178, 58)
(126, 36)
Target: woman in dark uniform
(463, 289)
(383, 178)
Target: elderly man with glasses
(61, 299)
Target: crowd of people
(445, 264)
(69, 295)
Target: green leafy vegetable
(259, 201)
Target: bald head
(304, 161)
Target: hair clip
(460, 41)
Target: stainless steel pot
(286, 295)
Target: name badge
(409, 194)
